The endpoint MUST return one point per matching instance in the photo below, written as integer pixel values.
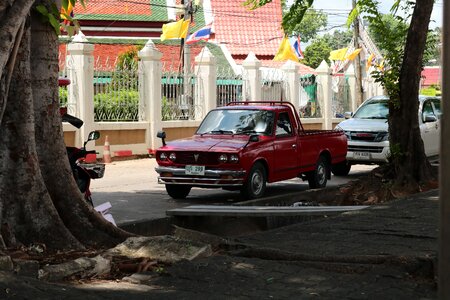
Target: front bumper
(368, 152)
(211, 178)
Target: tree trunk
(39, 200)
(410, 163)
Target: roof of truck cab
(256, 107)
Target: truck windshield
(375, 109)
(235, 121)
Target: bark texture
(39, 200)
(410, 163)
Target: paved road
(132, 189)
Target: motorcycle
(83, 171)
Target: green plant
(122, 105)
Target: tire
(255, 186)
(341, 169)
(178, 191)
(318, 178)
(82, 180)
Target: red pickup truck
(244, 145)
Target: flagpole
(357, 62)
(186, 64)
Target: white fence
(132, 104)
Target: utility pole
(357, 61)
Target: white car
(368, 136)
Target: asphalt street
(132, 189)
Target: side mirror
(162, 136)
(254, 138)
(348, 114)
(93, 135)
(430, 118)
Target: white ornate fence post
(324, 77)
(150, 93)
(290, 68)
(352, 85)
(206, 68)
(81, 88)
(253, 77)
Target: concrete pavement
(131, 187)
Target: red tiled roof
(243, 30)
(102, 7)
(431, 75)
(105, 55)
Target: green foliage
(312, 22)
(165, 109)
(53, 16)
(293, 16)
(128, 59)
(63, 96)
(338, 39)
(315, 53)
(120, 105)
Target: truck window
(427, 110)
(237, 121)
(437, 107)
(284, 127)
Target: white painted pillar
(290, 68)
(252, 82)
(352, 84)
(206, 70)
(324, 78)
(80, 60)
(150, 99)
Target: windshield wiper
(221, 131)
(246, 131)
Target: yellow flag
(370, 61)
(175, 30)
(354, 54)
(338, 54)
(285, 51)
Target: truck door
(285, 146)
(429, 128)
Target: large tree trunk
(409, 161)
(39, 200)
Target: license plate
(361, 155)
(195, 170)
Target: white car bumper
(368, 152)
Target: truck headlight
(223, 158)
(234, 158)
(382, 136)
(162, 156)
(172, 156)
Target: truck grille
(366, 136)
(365, 149)
(197, 158)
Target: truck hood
(371, 125)
(199, 143)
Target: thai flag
(297, 49)
(201, 34)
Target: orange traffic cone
(106, 153)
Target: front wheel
(255, 186)
(318, 177)
(178, 191)
(341, 169)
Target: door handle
(294, 146)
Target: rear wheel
(341, 169)
(178, 191)
(255, 186)
(318, 177)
